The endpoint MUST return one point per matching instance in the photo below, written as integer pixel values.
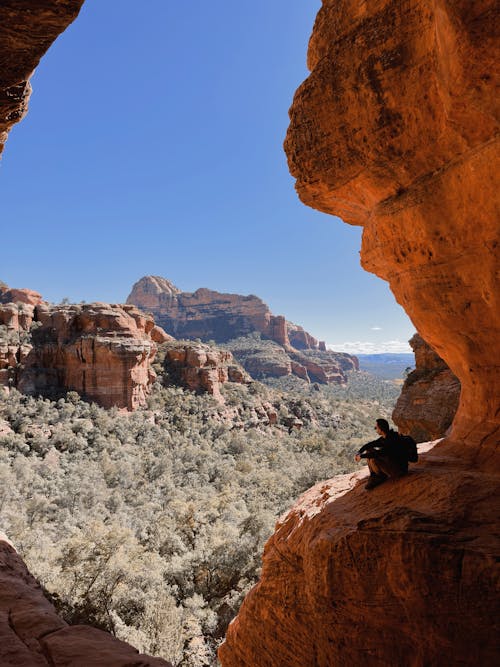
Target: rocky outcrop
(381, 578)
(102, 351)
(429, 398)
(33, 635)
(206, 314)
(202, 368)
(395, 130)
(25, 35)
(210, 315)
(13, 295)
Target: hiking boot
(375, 480)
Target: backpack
(411, 447)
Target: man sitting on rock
(387, 456)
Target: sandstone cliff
(34, 636)
(395, 130)
(429, 398)
(25, 35)
(201, 367)
(210, 315)
(102, 351)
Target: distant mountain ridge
(223, 317)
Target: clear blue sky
(153, 145)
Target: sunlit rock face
(102, 351)
(395, 130)
(27, 30)
(429, 398)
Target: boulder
(429, 398)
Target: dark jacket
(391, 447)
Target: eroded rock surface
(429, 398)
(396, 130)
(33, 635)
(202, 367)
(102, 351)
(27, 30)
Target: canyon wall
(210, 315)
(104, 352)
(395, 129)
(429, 398)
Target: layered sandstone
(209, 315)
(202, 368)
(104, 352)
(429, 398)
(25, 35)
(395, 129)
(33, 635)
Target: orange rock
(385, 577)
(395, 130)
(429, 398)
(102, 351)
(24, 37)
(203, 368)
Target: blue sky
(153, 145)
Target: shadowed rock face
(34, 636)
(395, 130)
(429, 398)
(27, 30)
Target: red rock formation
(381, 578)
(103, 352)
(203, 368)
(301, 339)
(429, 398)
(12, 295)
(34, 636)
(210, 315)
(25, 34)
(395, 130)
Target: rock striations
(209, 315)
(395, 130)
(25, 35)
(102, 351)
(429, 398)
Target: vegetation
(151, 524)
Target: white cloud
(366, 347)
(376, 328)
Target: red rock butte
(396, 130)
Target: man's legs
(380, 469)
